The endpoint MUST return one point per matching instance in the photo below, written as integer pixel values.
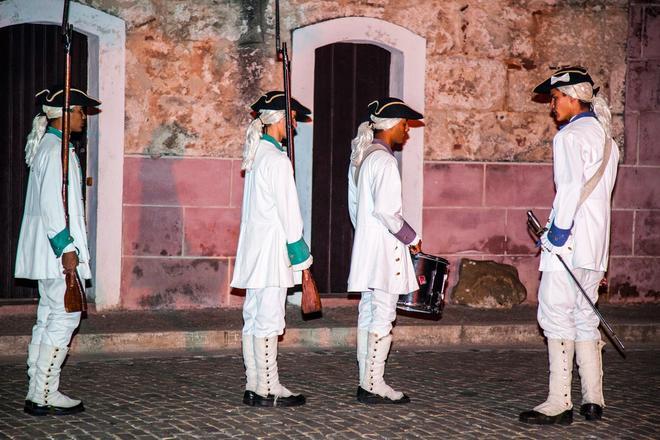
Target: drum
(431, 272)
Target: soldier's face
(400, 133)
(561, 106)
(78, 119)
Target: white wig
(39, 125)
(585, 92)
(365, 136)
(254, 133)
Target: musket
(286, 75)
(74, 296)
(311, 300)
(535, 228)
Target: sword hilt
(534, 225)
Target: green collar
(56, 132)
(272, 140)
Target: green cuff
(61, 241)
(298, 251)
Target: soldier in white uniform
(585, 160)
(381, 266)
(47, 249)
(272, 253)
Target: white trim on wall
(407, 74)
(106, 39)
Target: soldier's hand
(69, 261)
(416, 248)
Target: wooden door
(347, 77)
(33, 60)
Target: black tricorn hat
(564, 77)
(54, 97)
(392, 108)
(275, 100)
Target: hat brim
(544, 88)
(398, 110)
(56, 99)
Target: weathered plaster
(197, 65)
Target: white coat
(43, 217)
(577, 154)
(378, 260)
(270, 219)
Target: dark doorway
(34, 60)
(347, 77)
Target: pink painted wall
(181, 220)
(181, 215)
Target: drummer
(381, 266)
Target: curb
(319, 338)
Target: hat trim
(387, 105)
(582, 72)
(52, 98)
(268, 100)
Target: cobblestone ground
(455, 394)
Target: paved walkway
(461, 393)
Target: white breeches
(563, 311)
(263, 311)
(54, 325)
(377, 312)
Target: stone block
(635, 31)
(453, 184)
(631, 136)
(443, 33)
(618, 132)
(177, 182)
(498, 30)
(518, 240)
(643, 91)
(453, 230)
(521, 81)
(237, 181)
(519, 185)
(617, 87)
(488, 284)
(528, 273)
(489, 136)
(621, 233)
(651, 37)
(590, 22)
(465, 83)
(211, 232)
(637, 188)
(174, 283)
(633, 280)
(647, 234)
(152, 231)
(649, 135)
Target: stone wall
(194, 66)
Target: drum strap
(373, 148)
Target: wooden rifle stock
(74, 296)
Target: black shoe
(364, 396)
(270, 400)
(591, 411)
(248, 397)
(44, 410)
(537, 418)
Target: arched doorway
(36, 61)
(407, 64)
(106, 40)
(348, 77)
